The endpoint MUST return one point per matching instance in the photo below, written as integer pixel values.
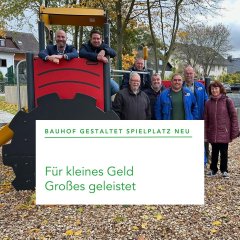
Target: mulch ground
(218, 218)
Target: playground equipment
(72, 90)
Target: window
(3, 63)
(2, 43)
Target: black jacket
(152, 95)
(129, 106)
(90, 52)
(145, 79)
(70, 51)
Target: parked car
(235, 87)
(227, 87)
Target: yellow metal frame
(72, 16)
(6, 134)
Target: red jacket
(221, 122)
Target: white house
(182, 55)
(13, 47)
(6, 60)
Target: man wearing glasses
(176, 102)
(132, 103)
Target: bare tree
(172, 13)
(203, 45)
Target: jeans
(114, 87)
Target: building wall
(12, 97)
(217, 71)
(10, 61)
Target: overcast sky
(230, 17)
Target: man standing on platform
(139, 67)
(61, 50)
(96, 50)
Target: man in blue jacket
(59, 51)
(197, 89)
(96, 50)
(176, 102)
(199, 92)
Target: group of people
(184, 100)
(145, 98)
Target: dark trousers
(223, 149)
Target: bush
(230, 78)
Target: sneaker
(225, 175)
(211, 174)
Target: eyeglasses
(177, 80)
(135, 81)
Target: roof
(234, 65)
(21, 43)
(72, 16)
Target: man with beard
(61, 50)
(154, 91)
(131, 103)
(96, 50)
(176, 102)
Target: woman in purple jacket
(221, 126)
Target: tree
(169, 14)
(203, 45)
(163, 16)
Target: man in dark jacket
(131, 103)
(96, 50)
(145, 78)
(154, 91)
(59, 51)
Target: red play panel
(68, 78)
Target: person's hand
(59, 56)
(51, 57)
(102, 59)
(55, 58)
(102, 53)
